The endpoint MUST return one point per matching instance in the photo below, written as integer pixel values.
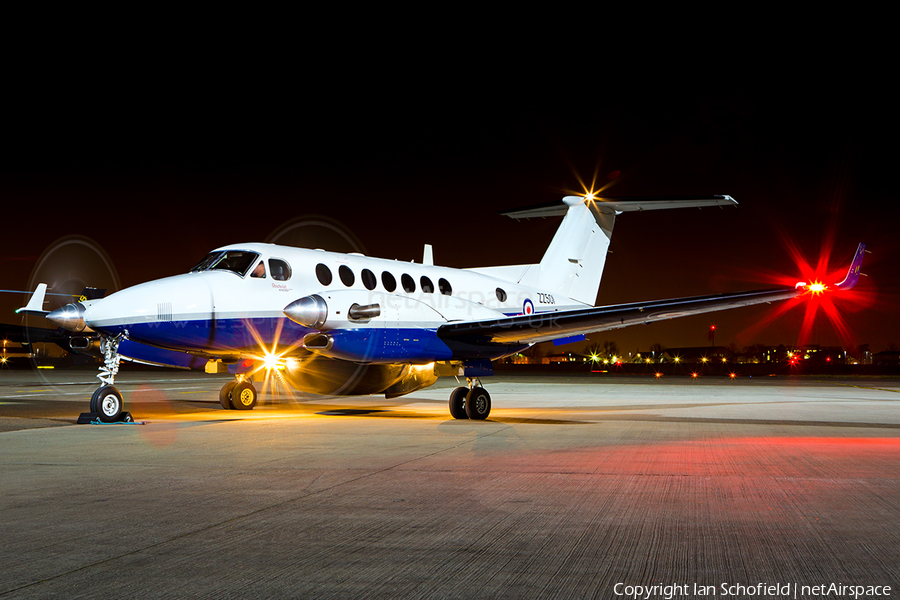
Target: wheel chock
(92, 418)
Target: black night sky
(159, 168)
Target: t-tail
(573, 263)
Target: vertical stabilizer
(573, 263)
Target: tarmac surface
(576, 487)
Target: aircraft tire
(478, 404)
(458, 403)
(244, 396)
(225, 395)
(109, 404)
(94, 403)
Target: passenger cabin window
(323, 274)
(259, 271)
(501, 295)
(236, 261)
(368, 279)
(346, 275)
(427, 286)
(279, 269)
(409, 284)
(444, 286)
(388, 281)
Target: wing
(546, 326)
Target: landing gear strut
(106, 401)
(238, 395)
(472, 402)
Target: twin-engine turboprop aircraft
(349, 324)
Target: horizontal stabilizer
(620, 204)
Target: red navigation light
(816, 287)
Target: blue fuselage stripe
(259, 335)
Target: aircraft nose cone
(70, 317)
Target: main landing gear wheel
(243, 396)
(225, 395)
(458, 403)
(107, 403)
(478, 404)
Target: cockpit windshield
(236, 261)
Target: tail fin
(573, 263)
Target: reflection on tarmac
(572, 486)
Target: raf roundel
(528, 307)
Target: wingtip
(853, 272)
(35, 304)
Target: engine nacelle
(70, 317)
(343, 309)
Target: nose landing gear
(106, 402)
(472, 402)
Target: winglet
(853, 274)
(35, 305)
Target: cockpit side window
(260, 270)
(236, 261)
(280, 270)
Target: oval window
(388, 281)
(368, 279)
(444, 286)
(501, 295)
(323, 274)
(280, 270)
(427, 286)
(346, 275)
(409, 284)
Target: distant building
(700, 354)
(809, 354)
(887, 357)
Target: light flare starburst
(821, 297)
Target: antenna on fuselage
(427, 256)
